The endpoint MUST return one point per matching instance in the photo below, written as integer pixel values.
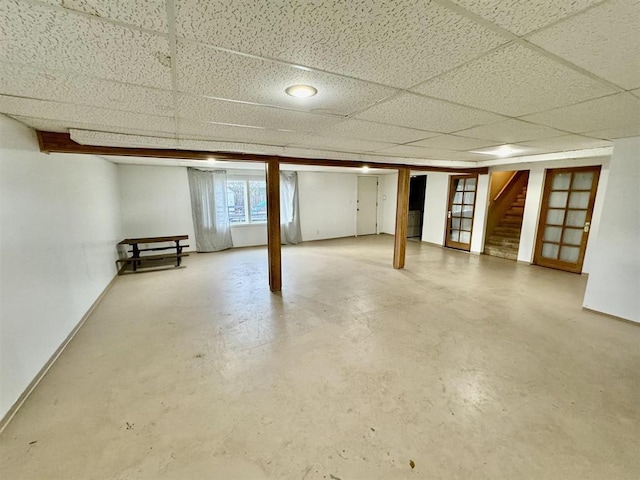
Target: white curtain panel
(209, 209)
(289, 209)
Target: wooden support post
(402, 216)
(273, 225)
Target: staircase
(506, 236)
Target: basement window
(247, 201)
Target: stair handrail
(507, 185)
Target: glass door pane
(567, 206)
(462, 198)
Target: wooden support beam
(52, 142)
(273, 224)
(402, 217)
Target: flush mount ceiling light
(365, 169)
(301, 91)
(503, 151)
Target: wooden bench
(138, 261)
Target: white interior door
(367, 205)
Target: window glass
(258, 200)
(236, 201)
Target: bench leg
(179, 251)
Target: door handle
(449, 214)
(586, 226)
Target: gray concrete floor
(465, 366)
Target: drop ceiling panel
(60, 40)
(415, 111)
(207, 71)
(63, 126)
(453, 142)
(568, 142)
(231, 133)
(397, 43)
(604, 40)
(524, 16)
(359, 129)
(514, 80)
(66, 112)
(610, 112)
(26, 81)
(340, 144)
(511, 131)
(150, 14)
(614, 133)
(89, 137)
(428, 153)
(220, 111)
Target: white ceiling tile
(415, 111)
(63, 126)
(220, 111)
(90, 137)
(453, 142)
(397, 43)
(150, 14)
(27, 81)
(69, 113)
(514, 80)
(428, 153)
(619, 132)
(60, 40)
(207, 71)
(604, 40)
(57, 126)
(524, 16)
(511, 131)
(232, 133)
(340, 144)
(610, 112)
(567, 142)
(359, 129)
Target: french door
(462, 201)
(565, 218)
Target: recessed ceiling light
(211, 160)
(503, 151)
(365, 169)
(301, 91)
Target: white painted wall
(435, 208)
(327, 204)
(387, 203)
(60, 225)
(614, 280)
(155, 202)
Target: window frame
(247, 198)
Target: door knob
(586, 226)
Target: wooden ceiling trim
(53, 142)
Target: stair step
(519, 203)
(501, 240)
(511, 220)
(507, 232)
(500, 252)
(516, 209)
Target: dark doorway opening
(417, 192)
